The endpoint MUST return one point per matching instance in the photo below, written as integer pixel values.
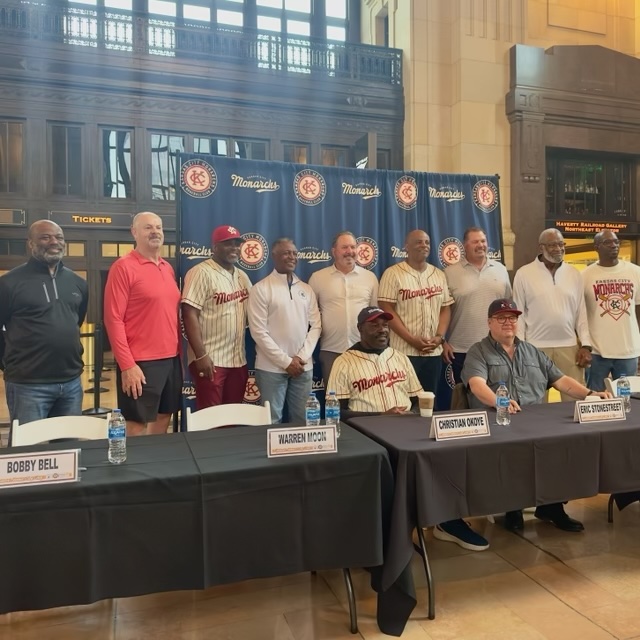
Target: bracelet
(442, 338)
(200, 358)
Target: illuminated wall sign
(591, 227)
(70, 219)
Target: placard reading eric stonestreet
(50, 467)
(599, 410)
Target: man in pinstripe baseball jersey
(373, 378)
(416, 294)
(214, 310)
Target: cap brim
(515, 312)
(384, 315)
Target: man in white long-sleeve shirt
(550, 294)
(284, 321)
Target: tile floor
(542, 584)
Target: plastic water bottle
(624, 392)
(502, 405)
(117, 437)
(332, 411)
(312, 411)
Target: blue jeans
(29, 402)
(602, 367)
(280, 387)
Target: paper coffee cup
(425, 402)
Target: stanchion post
(97, 368)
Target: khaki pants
(565, 359)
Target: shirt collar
(141, 259)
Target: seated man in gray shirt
(527, 373)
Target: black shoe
(513, 521)
(556, 514)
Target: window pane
(10, 157)
(336, 33)
(195, 12)
(164, 152)
(116, 163)
(162, 7)
(109, 250)
(125, 5)
(75, 249)
(251, 150)
(220, 147)
(233, 18)
(124, 248)
(298, 5)
(201, 145)
(269, 24)
(298, 153)
(66, 160)
(275, 4)
(299, 28)
(336, 8)
(334, 157)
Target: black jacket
(42, 315)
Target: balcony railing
(158, 35)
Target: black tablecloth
(187, 511)
(542, 457)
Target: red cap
(225, 232)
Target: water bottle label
(624, 392)
(313, 414)
(502, 402)
(332, 412)
(118, 431)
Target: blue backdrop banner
(310, 204)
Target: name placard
(599, 410)
(47, 467)
(449, 426)
(301, 441)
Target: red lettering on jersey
(388, 379)
(427, 292)
(608, 288)
(222, 297)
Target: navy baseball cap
(503, 305)
(372, 313)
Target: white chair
(39, 431)
(612, 385)
(223, 415)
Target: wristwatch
(442, 338)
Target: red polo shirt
(141, 301)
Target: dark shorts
(160, 393)
(227, 387)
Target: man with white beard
(550, 294)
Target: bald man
(416, 294)
(42, 305)
(141, 302)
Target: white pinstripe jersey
(374, 382)
(418, 296)
(221, 296)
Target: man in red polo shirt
(141, 302)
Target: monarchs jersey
(418, 296)
(374, 382)
(221, 296)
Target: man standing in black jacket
(42, 305)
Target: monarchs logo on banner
(446, 193)
(366, 252)
(313, 255)
(194, 251)
(450, 250)
(198, 178)
(309, 187)
(259, 184)
(399, 253)
(485, 195)
(254, 251)
(189, 391)
(362, 189)
(406, 193)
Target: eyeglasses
(506, 319)
(554, 245)
(611, 243)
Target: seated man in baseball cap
(372, 378)
(528, 373)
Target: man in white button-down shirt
(284, 321)
(342, 289)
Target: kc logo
(366, 252)
(309, 187)
(198, 178)
(450, 250)
(406, 193)
(251, 391)
(485, 195)
(254, 251)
